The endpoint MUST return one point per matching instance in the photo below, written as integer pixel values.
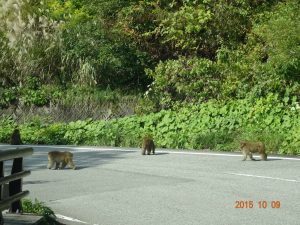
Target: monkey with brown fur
(148, 146)
(60, 160)
(248, 147)
(15, 138)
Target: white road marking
(69, 219)
(227, 155)
(263, 177)
(85, 149)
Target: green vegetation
(193, 73)
(39, 208)
(36, 207)
(213, 125)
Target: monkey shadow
(79, 167)
(82, 160)
(36, 182)
(161, 153)
(260, 160)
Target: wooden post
(16, 185)
(1, 189)
(14, 180)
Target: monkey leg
(50, 164)
(62, 165)
(263, 156)
(153, 151)
(251, 156)
(143, 151)
(56, 165)
(71, 165)
(245, 156)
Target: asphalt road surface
(114, 186)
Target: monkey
(15, 138)
(248, 147)
(60, 160)
(148, 145)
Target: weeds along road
(114, 186)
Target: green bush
(214, 125)
(40, 209)
(36, 207)
(7, 96)
(185, 80)
(6, 128)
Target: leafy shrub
(185, 80)
(7, 96)
(214, 125)
(36, 207)
(6, 127)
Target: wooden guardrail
(14, 180)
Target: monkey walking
(15, 138)
(248, 147)
(60, 160)
(148, 146)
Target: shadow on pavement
(36, 182)
(82, 160)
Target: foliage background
(107, 72)
(211, 125)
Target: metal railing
(14, 180)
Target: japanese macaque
(148, 146)
(248, 147)
(59, 160)
(15, 138)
